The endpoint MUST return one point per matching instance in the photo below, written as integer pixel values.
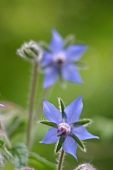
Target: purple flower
(60, 61)
(66, 128)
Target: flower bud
(30, 51)
(85, 166)
(27, 168)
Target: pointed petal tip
(75, 157)
(44, 102)
(94, 137)
(80, 97)
(54, 30)
(97, 137)
(41, 141)
(45, 86)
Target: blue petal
(51, 113)
(51, 75)
(56, 43)
(74, 52)
(73, 110)
(70, 145)
(47, 59)
(51, 136)
(70, 73)
(82, 133)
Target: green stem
(61, 160)
(31, 105)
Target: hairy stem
(31, 105)
(61, 160)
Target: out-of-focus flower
(30, 51)
(66, 128)
(27, 168)
(1, 105)
(85, 166)
(60, 61)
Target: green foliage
(40, 163)
(104, 126)
(92, 23)
(5, 152)
(8, 166)
(15, 126)
(20, 155)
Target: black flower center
(59, 61)
(59, 58)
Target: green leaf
(81, 65)
(40, 162)
(5, 152)
(48, 123)
(61, 106)
(83, 122)
(14, 119)
(69, 40)
(1, 143)
(16, 126)
(20, 154)
(8, 166)
(78, 141)
(59, 145)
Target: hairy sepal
(48, 123)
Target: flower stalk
(61, 160)
(32, 52)
(31, 105)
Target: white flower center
(63, 129)
(59, 58)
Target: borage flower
(66, 128)
(60, 61)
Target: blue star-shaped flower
(66, 128)
(60, 61)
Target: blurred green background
(92, 24)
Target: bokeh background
(92, 24)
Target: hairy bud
(85, 166)
(30, 51)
